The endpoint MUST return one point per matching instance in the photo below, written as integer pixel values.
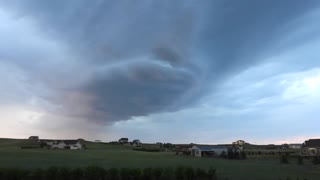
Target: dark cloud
(137, 58)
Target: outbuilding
(208, 150)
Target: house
(63, 144)
(295, 146)
(208, 150)
(239, 144)
(73, 144)
(311, 147)
(58, 145)
(36, 138)
(136, 143)
(123, 140)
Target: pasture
(110, 156)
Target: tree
(284, 159)
(243, 155)
(300, 160)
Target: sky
(182, 71)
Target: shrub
(37, 174)
(98, 173)
(136, 173)
(147, 174)
(212, 174)
(156, 173)
(113, 174)
(223, 154)
(179, 172)
(94, 173)
(284, 159)
(189, 173)
(125, 174)
(15, 174)
(146, 150)
(51, 173)
(76, 173)
(167, 174)
(300, 160)
(200, 173)
(63, 173)
(316, 160)
(243, 155)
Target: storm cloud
(107, 61)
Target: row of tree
(284, 159)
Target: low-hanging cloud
(121, 59)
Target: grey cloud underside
(154, 56)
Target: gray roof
(209, 147)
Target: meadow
(117, 156)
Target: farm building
(208, 150)
(36, 138)
(63, 144)
(295, 146)
(136, 143)
(123, 140)
(311, 147)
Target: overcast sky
(177, 71)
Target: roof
(312, 143)
(68, 142)
(209, 147)
(124, 139)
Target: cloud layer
(109, 61)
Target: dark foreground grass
(115, 156)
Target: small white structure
(58, 145)
(208, 150)
(295, 146)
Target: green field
(108, 156)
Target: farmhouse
(123, 140)
(239, 144)
(208, 150)
(311, 147)
(63, 144)
(136, 143)
(36, 138)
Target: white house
(58, 145)
(123, 141)
(136, 142)
(64, 144)
(207, 150)
(73, 144)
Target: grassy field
(108, 156)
